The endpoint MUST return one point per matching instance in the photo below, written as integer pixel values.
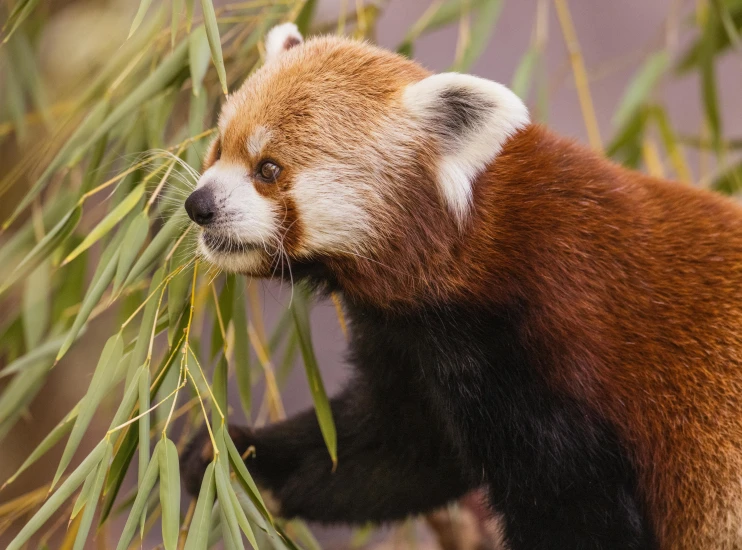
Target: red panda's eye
(218, 151)
(269, 171)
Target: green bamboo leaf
(300, 312)
(212, 33)
(144, 383)
(101, 278)
(133, 241)
(82, 497)
(43, 353)
(219, 389)
(102, 380)
(730, 181)
(165, 238)
(25, 237)
(44, 247)
(169, 493)
(36, 306)
(241, 518)
(143, 491)
(108, 223)
(241, 347)
(710, 96)
(52, 504)
(440, 16)
(19, 14)
(481, 30)
(196, 124)
(92, 499)
(523, 76)
(244, 478)
(231, 528)
(198, 532)
(16, 99)
(27, 63)
(177, 9)
(178, 290)
(88, 125)
(157, 81)
(189, 14)
(20, 391)
(59, 431)
(641, 86)
(141, 347)
(139, 17)
(198, 57)
(228, 535)
(306, 16)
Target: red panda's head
(342, 154)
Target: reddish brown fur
(639, 283)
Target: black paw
(199, 453)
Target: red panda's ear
(471, 119)
(281, 38)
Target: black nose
(200, 206)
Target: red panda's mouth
(225, 244)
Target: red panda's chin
(251, 261)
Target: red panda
(526, 316)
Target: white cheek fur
(333, 212)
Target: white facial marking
(333, 212)
(279, 39)
(258, 140)
(242, 215)
(483, 115)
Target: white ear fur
(472, 119)
(281, 38)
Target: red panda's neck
(525, 204)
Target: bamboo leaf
(241, 348)
(141, 348)
(60, 430)
(157, 81)
(164, 238)
(144, 383)
(306, 16)
(88, 125)
(107, 268)
(316, 387)
(198, 532)
(20, 12)
(212, 33)
(244, 478)
(189, 14)
(44, 247)
(133, 241)
(169, 493)
(92, 499)
(59, 497)
(43, 353)
(198, 57)
(219, 389)
(641, 86)
(108, 223)
(730, 181)
(143, 491)
(102, 378)
(231, 528)
(139, 17)
(523, 76)
(241, 518)
(481, 30)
